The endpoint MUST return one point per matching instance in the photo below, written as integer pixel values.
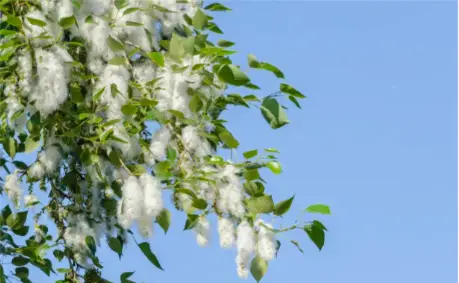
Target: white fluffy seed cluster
(78, 229)
(142, 202)
(13, 188)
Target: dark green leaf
(22, 272)
(59, 255)
(254, 63)
(283, 207)
(145, 247)
(115, 245)
(14, 21)
(129, 109)
(273, 113)
(263, 204)
(91, 244)
(316, 233)
(124, 277)
(20, 261)
(20, 165)
(16, 221)
(294, 100)
(10, 147)
(120, 4)
(196, 104)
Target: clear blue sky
(376, 140)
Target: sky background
(376, 140)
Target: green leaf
(228, 139)
(91, 244)
(285, 88)
(120, 4)
(10, 147)
(273, 113)
(59, 255)
(114, 44)
(117, 61)
(316, 233)
(164, 220)
(171, 154)
(22, 272)
(232, 75)
(98, 94)
(225, 43)
(36, 22)
(263, 204)
(254, 189)
(199, 20)
(129, 109)
(294, 100)
(283, 207)
(89, 19)
(251, 153)
(145, 247)
(136, 169)
(258, 268)
(217, 7)
(124, 277)
(176, 49)
(20, 165)
(196, 104)
(318, 208)
(16, 221)
(254, 63)
(251, 174)
(22, 231)
(191, 221)
(162, 170)
(275, 167)
(297, 246)
(115, 245)
(130, 11)
(20, 261)
(186, 192)
(2, 275)
(67, 22)
(157, 58)
(134, 24)
(14, 21)
(199, 204)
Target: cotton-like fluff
(194, 142)
(227, 232)
(245, 248)
(30, 199)
(25, 73)
(143, 73)
(97, 7)
(36, 171)
(75, 236)
(132, 201)
(38, 233)
(130, 148)
(114, 99)
(159, 143)
(145, 226)
(153, 202)
(96, 34)
(266, 245)
(58, 8)
(12, 187)
(202, 230)
(230, 192)
(136, 34)
(13, 106)
(51, 90)
(32, 32)
(50, 158)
